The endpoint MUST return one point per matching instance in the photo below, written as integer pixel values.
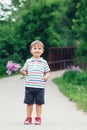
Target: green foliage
(75, 88)
(75, 77)
(35, 22)
(80, 20)
(70, 76)
(82, 79)
(47, 20)
(64, 23)
(81, 51)
(79, 27)
(2, 69)
(38, 23)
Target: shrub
(82, 79)
(2, 70)
(75, 77)
(70, 76)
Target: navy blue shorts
(34, 95)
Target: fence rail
(60, 57)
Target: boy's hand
(45, 78)
(23, 72)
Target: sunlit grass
(75, 93)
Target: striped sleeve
(46, 67)
(25, 67)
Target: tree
(47, 20)
(64, 27)
(80, 29)
(80, 20)
(38, 23)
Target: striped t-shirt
(36, 70)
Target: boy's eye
(35, 48)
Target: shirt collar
(32, 59)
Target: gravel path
(58, 112)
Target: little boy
(36, 70)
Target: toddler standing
(36, 70)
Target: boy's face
(37, 51)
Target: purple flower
(16, 67)
(75, 68)
(11, 66)
(8, 72)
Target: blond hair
(36, 42)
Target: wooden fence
(60, 57)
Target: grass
(75, 93)
(6, 75)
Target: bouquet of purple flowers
(11, 66)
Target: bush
(2, 70)
(75, 77)
(70, 76)
(81, 79)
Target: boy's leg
(38, 113)
(38, 110)
(29, 110)
(39, 100)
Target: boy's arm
(23, 72)
(46, 75)
(24, 69)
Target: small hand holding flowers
(23, 73)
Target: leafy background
(53, 22)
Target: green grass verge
(75, 93)
(6, 75)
